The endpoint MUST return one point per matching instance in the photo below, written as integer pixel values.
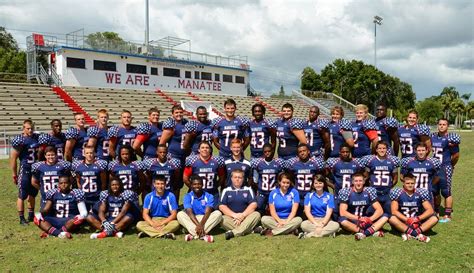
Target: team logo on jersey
(325, 200)
(245, 194)
(164, 202)
(203, 202)
(289, 198)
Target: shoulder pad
(111, 165)
(18, 141)
(395, 193)
(113, 131)
(78, 194)
(102, 164)
(144, 128)
(72, 133)
(103, 196)
(190, 160)
(93, 131)
(423, 130)
(296, 123)
(345, 125)
(392, 122)
(454, 138)
(369, 124)
(169, 123)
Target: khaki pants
(270, 223)
(327, 230)
(245, 227)
(171, 227)
(214, 219)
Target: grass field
(451, 248)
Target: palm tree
(458, 107)
(470, 112)
(447, 96)
(466, 98)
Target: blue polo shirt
(198, 204)
(160, 206)
(237, 199)
(319, 204)
(283, 202)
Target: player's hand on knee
(364, 222)
(38, 218)
(413, 222)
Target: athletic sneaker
(23, 222)
(169, 236)
(333, 235)
(406, 237)
(302, 235)
(423, 238)
(258, 229)
(445, 219)
(65, 235)
(119, 234)
(229, 235)
(188, 237)
(378, 234)
(208, 238)
(359, 236)
(142, 235)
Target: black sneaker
(31, 219)
(169, 236)
(23, 222)
(142, 235)
(229, 235)
(258, 229)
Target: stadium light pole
(147, 26)
(377, 21)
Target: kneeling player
(356, 204)
(117, 210)
(63, 212)
(412, 212)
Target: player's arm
(188, 171)
(170, 218)
(137, 144)
(221, 173)
(102, 211)
(192, 216)
(326, 142)
(348, 138)
(92, 141)
(435, 180)
(273, 138)
(393, 134)
(373, 137)
(378, 211)
(454, 158)
(103, 180)
(428, 210)
(175, 176)
(188, 140)
(343, 212)
(166, 135)
(427, 141)
(41, 152)
(13, 164)
(35, 182)
(47, 207)
(122, 213)
(141, 182)
(299, 134)
(396, 212)
(215, 140)
(78, 181)
(112, 145)
(394, 178)
(68, 149)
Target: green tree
(310, 80)
(447, 96)
(106, 41)
(12, 60)
(7, 41)
(429, 109)
(457, 106)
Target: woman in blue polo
(318, 208)
(283, 203)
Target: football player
(148, 134)
(411, 134)
(290, 133)
(55, 138)
(237, 161)
(445, 147)
(98, 135)
(76, 139)
(163, 165)
(364, 132)
(412, 213)
(229, 127)
(197, 131)
(340, 131)
(25, 149)
(121, 135)
(128, 171)
(317, 134)
(262, 131)
(387, 129)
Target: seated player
(356, 206)
(289, 132)
(122, 135)
(317, 134)
(63, 212)
(237, 161)
(283, 202)
(199, 216)
(340, 131)
(90, 176)
(262, 131)
(159, 212)
(411, 134)
(209, 167)
(318, 208)
(55, 138)
(412, 213)
(238, 205)
(364, 132)
(128, 171)
(382, 170)
(267, 169)
(197, 131)
(148, 134)
(46, 173)
(116, 210)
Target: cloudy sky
(429, 44)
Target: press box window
(135, 68)
(239, 79)
(76, 62)
(171, 72)
(154, 71)
(196, 75)
(187, 74)
(227, 78)
(106, 66)
(206, 76)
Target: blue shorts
(109, 218)
(384, 199)
(443, 187)
(25, 188)
(56, 221)
(262, 202)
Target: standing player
(382, 170)
(413, 133)
(148, 134)
(237, 161)
(121, 135)
(25, 148)
(210, 168)
(117, 210)
(412, 211)
(290, 133)
(424, 169)
(364, 132)
(173, 135)
(446, 149)
(360, 211)
(267, 169)
(76, 139)
(55, 138)
(163, 166)
(197, 131)
(340, 131)
(129, 172)
(63, 212)
(98, 135)
(229, 127)
(262, 131)
(91, 176)
(341, 169)
(45, 174)
(303, 168)
(317, 134)
(387, 129)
